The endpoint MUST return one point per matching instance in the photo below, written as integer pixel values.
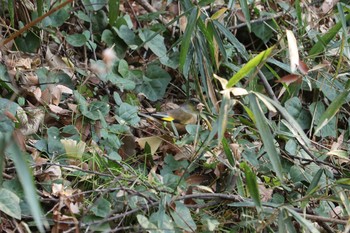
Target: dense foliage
(269, 153)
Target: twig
(257, 21)
(267, 86)
(148, 7)
(34, 22)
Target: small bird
(187, 113)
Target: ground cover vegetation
(269, 151)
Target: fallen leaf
(293, 51)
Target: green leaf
(9, 203)
(111, 39)
(146, 224)
(92, 110)
(128, 36)
(263, 31)
(129, 113)
(329, 130)
(26, 179)
(228, 151)
(123, 68)
(6, 124)
(155, 83)
(94, 5)
(121, 83)
(296, 110)
(81, 15)
(266, 137)
(293, 125)
(113, 13)
(246, 13)
(57, 18)
(285, 223)
(236, 43)
(29, 43)
(251, 65)
(323, 41)
(76, 40)
(54, 144)
(211, 223)
(332, 109)
(303, 222)
(101, 208)
(315, 181)
(252, 185)
(182, 217)
(186, 39)
(155, 43)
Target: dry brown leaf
(265, 193)
(290, 78)
(240, 16)
(197, 179)
(64, 89)
(303, 67)
(185, 153)
(55, 95)
(29, 79)
(183, 23)
(56, 63)
(19, 139)
(73, 107)
(37, 93)
(58, 110)
(154, 142)
(45, 97)
(328, 5)
(24, 62)
(10, 116)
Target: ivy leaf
(155, 83)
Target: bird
(186, 113)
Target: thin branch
(34, 22)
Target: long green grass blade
(26, 178)
(303, 222)
(247, 68)
(332, 109)
(186, 40)
(266, 137)
(323, 41)
(252, 185)
(246, 13)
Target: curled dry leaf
(290, 78)
(64, 89)
(58, 110)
